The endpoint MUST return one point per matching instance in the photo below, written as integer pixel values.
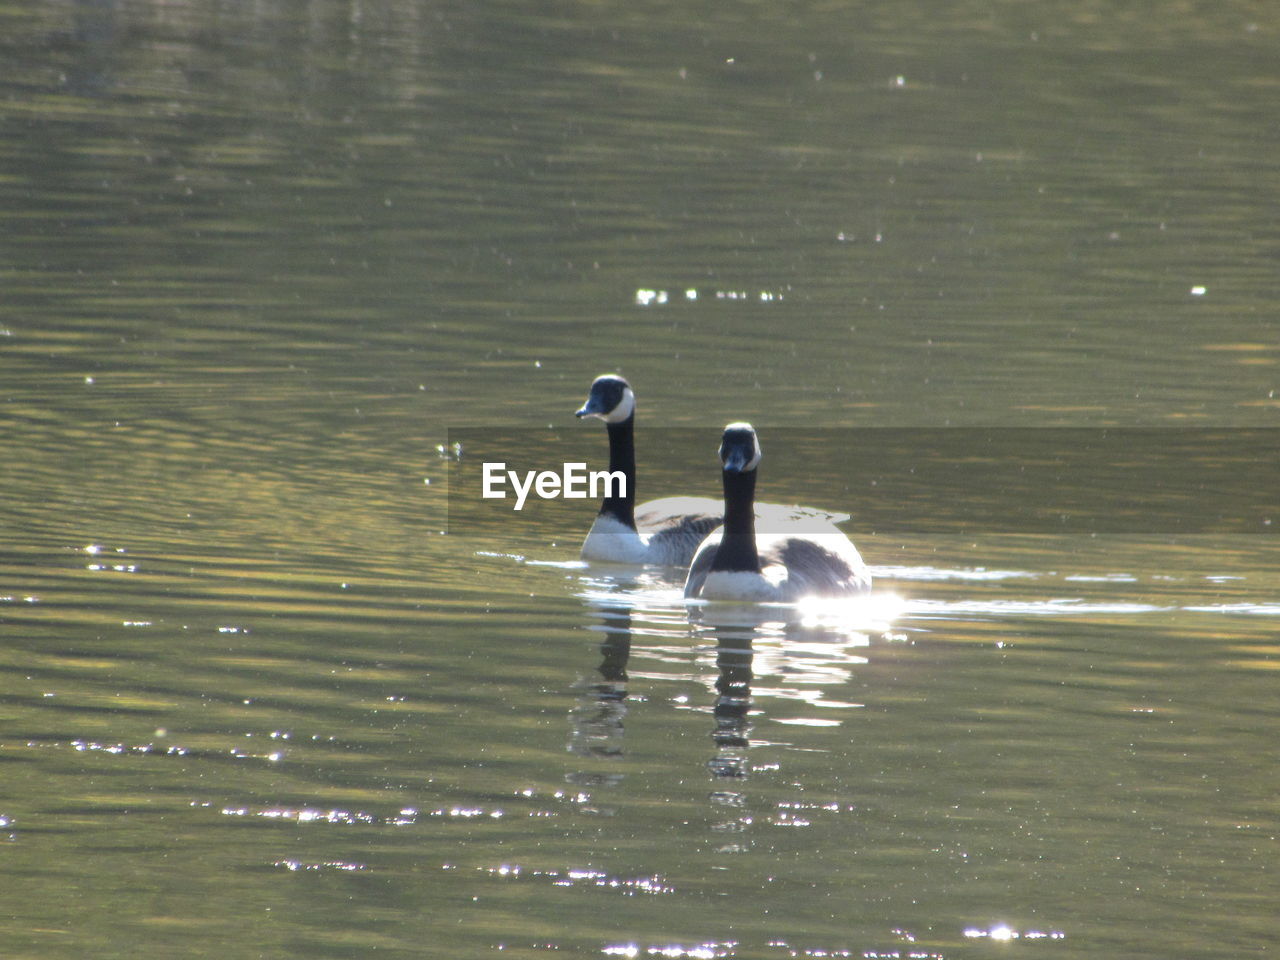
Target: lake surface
(273, 686)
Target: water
(259, 262)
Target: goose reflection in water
(597, 720)
(732, 734)
(797, 653)
(770, 654)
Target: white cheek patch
(756, 454)
(625, 408)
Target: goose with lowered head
(777, 565)
(665, 531)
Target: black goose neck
(622, 459)
(738, 543)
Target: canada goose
(665, 531)
(736, 563)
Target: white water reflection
(930, 573)
(1246, 609)
(1004, 932)
(1056, 607)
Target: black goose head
(740, 448)
(610, 400)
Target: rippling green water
(258, 262)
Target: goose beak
(736, 460)
(590, 409)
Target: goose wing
(817, 565)
(793, 516)
(675, 526)
(669, 512)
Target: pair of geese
(800, 553)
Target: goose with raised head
(665, 531)
(776, 565)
